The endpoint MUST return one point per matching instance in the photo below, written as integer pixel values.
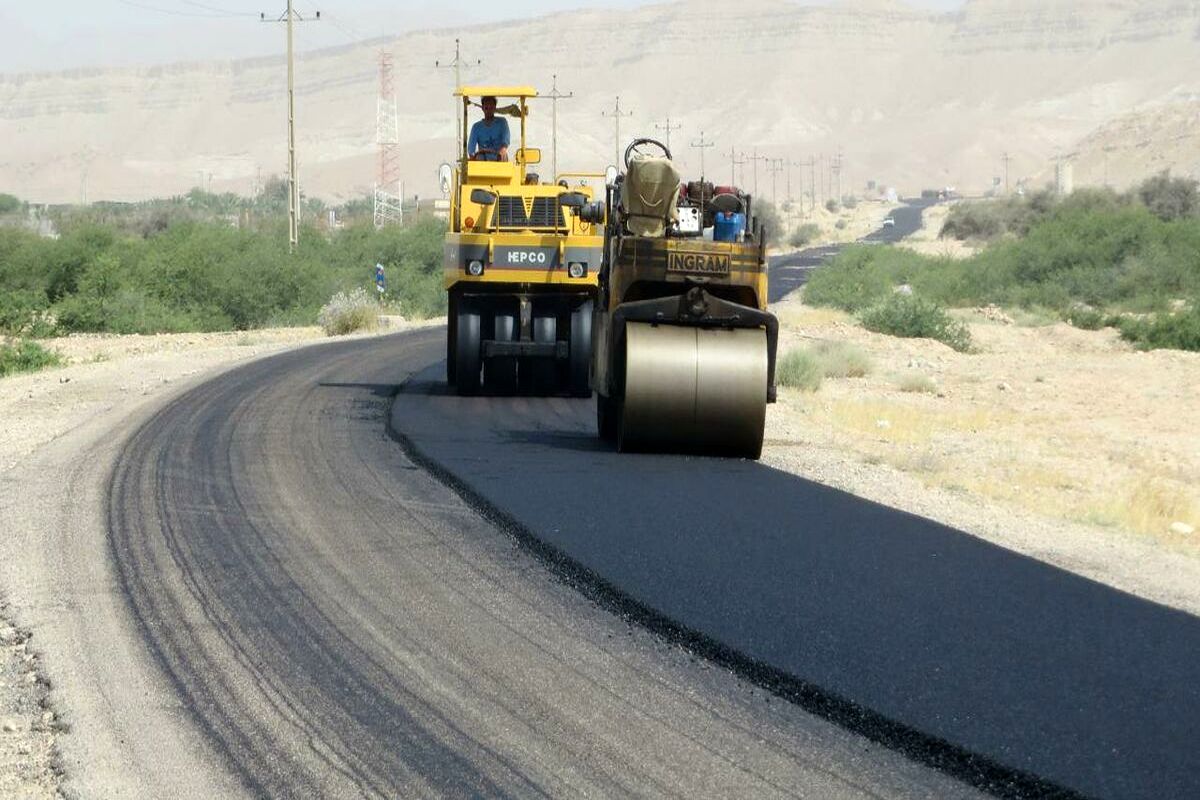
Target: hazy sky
(62, 34)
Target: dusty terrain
(912, 98)
(1065, 444)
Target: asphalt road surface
(790, 271)
(1005, 671)
(340, 623)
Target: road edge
(971, 768)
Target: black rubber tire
(467, 352)
(451, 328)
(500, 374)
(606, 418)
(539, 375)
(580, 362)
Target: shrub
(799, 369)
(25, 356)
(1179, 331)
(916, 383)
(1086, 318)
(842, 360)
(831, 206)
(349, 312)
(1169, 198)
(803, 235)
(912, 317)
(769, 219)
(10, 204)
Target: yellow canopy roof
(496, 91)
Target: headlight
(475, 268)
(576, 269)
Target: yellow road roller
(684, 357)
(520, 264)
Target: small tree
(831, 206)
(769, 219)
(1170, 198)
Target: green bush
(1179, 331)
(803, 235)
(913, 318)
(1088, 319)
(768, 217)
(181, 273)
(10, 204)
(800, 369)
(25, 356)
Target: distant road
(790, 271)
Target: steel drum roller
(694, 389)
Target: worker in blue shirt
(489, 136)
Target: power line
(702, 144)
(554, 96)
(616, 115)
(667, 128)
(178, 13)
(456, 64)
(222, 11)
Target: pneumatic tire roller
(684, 352)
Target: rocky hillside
(911, 98)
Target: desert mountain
(910, 98)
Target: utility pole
(554, 96)
(456, 64)
(702, 144)
(754, 163)
(812, 183)
(291, 18)
(1007, 159)
(616, 115)
(734, 163)
(837, 174)
(668, 128)
(774, 166)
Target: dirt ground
(1066, 444)
(102, 372)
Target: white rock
(1182, 528)
(10, 725)
(882, 424)
(1004, 387)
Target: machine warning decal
(702, 263)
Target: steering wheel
(647, 148)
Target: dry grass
(799, 369)
(349, 312)
(1150, 505)
(916, 383)
(843, 359)
(899, 422)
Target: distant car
(889, 222)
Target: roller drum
(694, 389)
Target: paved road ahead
(790, 271)
(937, 632)
(342, 625)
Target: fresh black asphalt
(921, 626)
